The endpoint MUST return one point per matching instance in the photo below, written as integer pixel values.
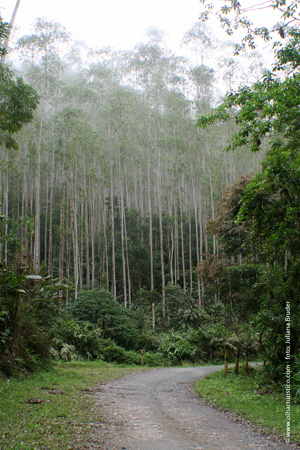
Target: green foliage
(156, 360)
(4, 32)
(272, 201)
(176, 303)
(233, 15)
(231, 234)
(264, 211)
(74, 340)
(116, 322)
(28, 309)
(267, 108)
(295, 380)
(114, 353)
(214, 339)
(177, 348)
(271, 205)
(91, 304)
(18, 100)
(23, 344)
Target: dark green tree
(117, 323)
(268, 112)
(18, 100)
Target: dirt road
(158, 410)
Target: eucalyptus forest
(142, 208)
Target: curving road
(158, 410)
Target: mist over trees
(112, 173)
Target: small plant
(177, 348)
(74, 340)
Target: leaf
(34, 277)
(21, 291)
(33, 401)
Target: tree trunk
(11, 24)
(61, 240)
(75, 242)
(6, 207)
(93, 226)
(190, 252)
(127, 263)
(246, 362)
(161, 239)
(150, 214)
(211, 197)
(37, 224)
(237, 360)
(123, 239)
(113, 254)
(50, 237)
(37, 221)
(46, 221)
(182, 243)
(86, 232)
(81, 250)
(196, 232)
(87, 244)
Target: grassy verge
(244, 395)
(50, 409)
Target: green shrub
(149, 340)
(116, 322)
(177, 348)
(156, 360)
(28, 308)
(72, 340)
(24, 345)
(111, 352)
(66, 352)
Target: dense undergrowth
(37, 325)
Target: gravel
(159, 410)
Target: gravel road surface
(159, 410)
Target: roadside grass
(244, 395)
(50, 409)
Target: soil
(159, 410)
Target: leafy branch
(233, 16)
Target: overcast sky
(115, 23)
(122, 24)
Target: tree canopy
(18, 100)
